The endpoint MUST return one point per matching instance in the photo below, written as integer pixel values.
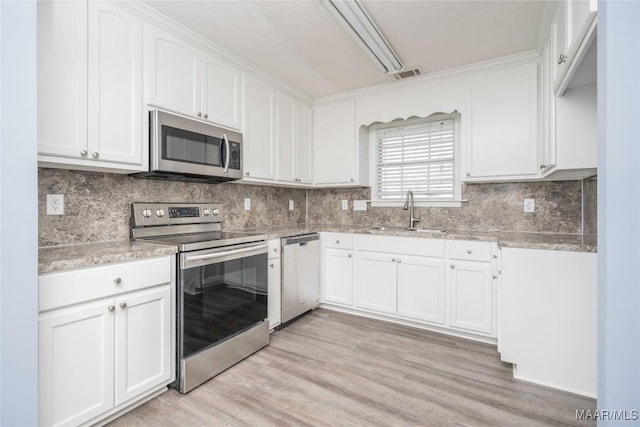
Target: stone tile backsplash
(489, 207)
(97, 206)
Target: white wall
(18, 216)
(619, 207)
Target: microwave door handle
(228, 152)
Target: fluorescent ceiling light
(357, 22)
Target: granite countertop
(67, 257)
(56, 258)
(525, 240)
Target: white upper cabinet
(335, 144)
(502, 124)
(304, 147)
(62, 79)
(90, 112)
(259, 146)
(574, 29)
(286, 136)
(187, 80)
(220, 92)
(115, 84)
(174, 73)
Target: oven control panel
(148, 214)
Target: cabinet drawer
(274, 248)
(419, 246)
(338, 240)
(470, 251)
(70, 287)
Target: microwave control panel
(234, 158)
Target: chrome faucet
(408, 205)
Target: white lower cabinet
(99, 354)
(376, 282)
(421, 289)
(274, 293)
(450, 285)
(471, 296)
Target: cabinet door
(303, 145)
(174, 73)
(143, 342)
(376, 281)
(502, 140)
(338, 280)
(259, 151)
(471, 296)
(421, 288)
(115, 85)
(274, 292)
(285, 136)
(62, 78)
(76, 363)
(334, 143)
(559, 35)
(220, 93)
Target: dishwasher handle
(301, 240)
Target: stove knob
(206, 212)
(216, 212)
(160, 213)
(146, 213)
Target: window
(416, 155)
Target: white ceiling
(300, 43)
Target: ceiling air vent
(407, 73)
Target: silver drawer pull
(495, 277)
(452, 266)
(271, 265)
(399, 261)
(469, 251)
(117, 280)
(337, 242)
(111, 308)
(349, 255)
(123, 305)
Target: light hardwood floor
(335, 369)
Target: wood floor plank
(336, 369)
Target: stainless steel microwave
(185, 149)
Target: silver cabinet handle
(95, 155)
(117, 280)
(468, 173)
(123, 305)
(393, 260)
(349, 256)
(275, 250)
(206, 116)
(543, 166)
(352, 180)
(337, 242)
(199, 114)
(495, 277)
(399, 261)
(111, 308)
(562, 59)
(452, 266)
(246, 173)
(84, 153)
(469, 251)
(271, 265)
(495, 256)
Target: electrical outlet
(55, 204)
(291, 205)
(247, 204)
(529, 205)
(345, 205)
(359, 205)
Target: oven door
(221, 293)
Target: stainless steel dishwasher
(300, 275)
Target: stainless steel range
(221, 286)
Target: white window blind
(417, 157)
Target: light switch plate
(529, 205)
(345, 205)
(359, 205)
(291, 205)
(247, 204)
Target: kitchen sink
(417, 230)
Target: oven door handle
(223, 254)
